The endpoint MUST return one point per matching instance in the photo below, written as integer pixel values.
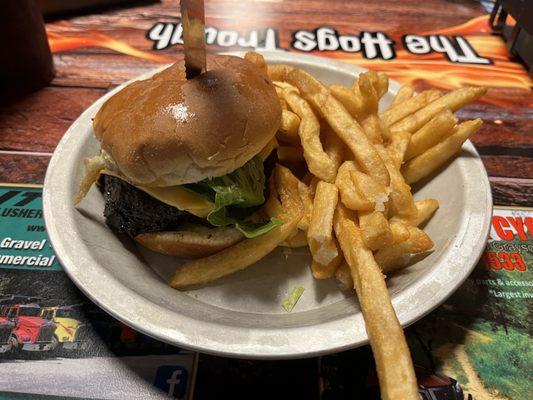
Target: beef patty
(130, 210)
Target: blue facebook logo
(172, 379)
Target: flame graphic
(432, 69)
(59, 42)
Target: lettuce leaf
(243, 188)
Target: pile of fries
(342, 188)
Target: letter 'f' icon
(172, 379)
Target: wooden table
(95, 52)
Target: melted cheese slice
(181, 198)
(187, 200)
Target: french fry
(279, 72)
(320, 271)
(372, 190)
(427, 162)
(232, 259)
(403, 94)
(437, 129)
(280, 85)
(425, 209)
(365, 89)
(350, 196)
(398, 146)
(334, 146)
(320, 231)
(400, 231)
(401, 199)
(394, 257)
(409, 106)
(385, 131)
(353, 103)
(288, 130)
(257, 59)
(247, 252)
(375, 229)
(342, 123)
(297, 239)
(317, 160)
(93, 167)
(344, 276)
(372, 128)
(307, 202)
(453, 100)
(382, 84)
(379, 81)
(393, 361)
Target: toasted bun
(167, 131)
(191, 241)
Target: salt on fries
(353, 205)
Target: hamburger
(184, 163)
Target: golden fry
(307, 202)
(279, 72)
(320, 230)
(382, 84)
(425, 209)
(257, 59)
(403, 94)
(371, 189)
(398, 146)
(297, 239)
(342, 123)
(453, 100)
(353, 103)
(395, 256)
(350, 194)
(401, 199)
(437, 129)
(372, 128)
(317, 160)
(364, 88)
(375, 229)
(393, 361)
(320, 271)
(288, 130)
(344, 276)
(93, 167)
(280, 85)
(334, 146)
(409, 106)
(249, 251)
(232, 259)
(427, 162)
(400, 231)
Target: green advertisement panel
(24, 243)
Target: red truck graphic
(31, 332)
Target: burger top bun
(167, 130)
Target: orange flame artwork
(431, 69)
(434, 69)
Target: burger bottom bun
(191, 241)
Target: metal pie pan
(241, 315)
